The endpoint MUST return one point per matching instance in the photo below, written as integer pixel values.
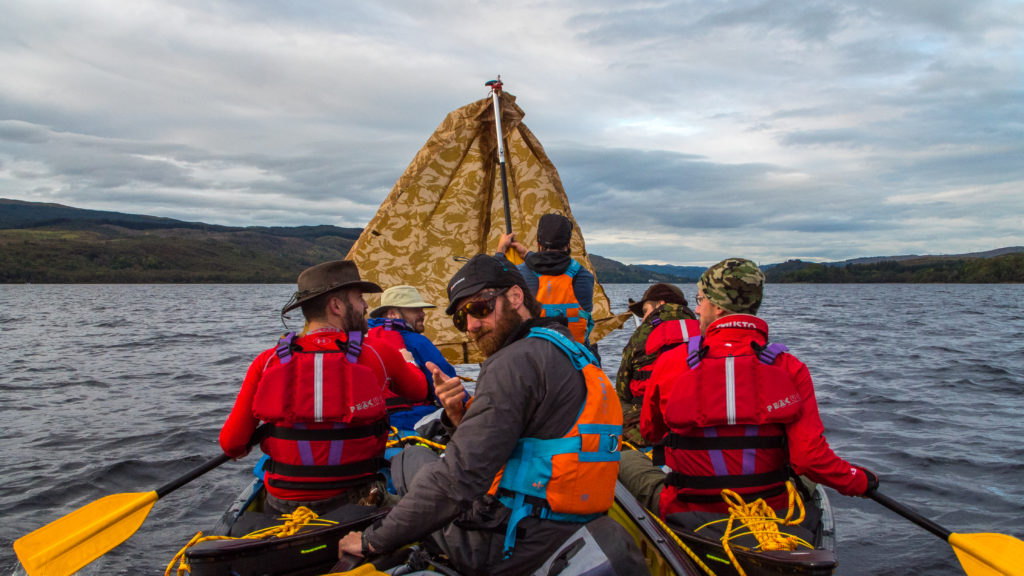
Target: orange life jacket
(572, 478)
(556, 297)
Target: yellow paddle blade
(989, 554)
(513, 256)
(65, 545)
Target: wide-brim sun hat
(326, 277)
(400, 297)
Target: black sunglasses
(481, 308)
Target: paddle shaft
(191, 475)
(496, 97)
(910, 514)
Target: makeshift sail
(449, 204)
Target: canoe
(820, 561)
(313, 550)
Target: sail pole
(495, 86)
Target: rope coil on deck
(293, 522)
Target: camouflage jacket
(633, 356)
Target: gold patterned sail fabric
(449, 203)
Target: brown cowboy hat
(322, 278)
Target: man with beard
(733, 412)
(488, 504)
(400, 320)
(562, 285)
(322, 395)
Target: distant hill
(1005, 265)
(688, 273)
(51, 243)
(613, 272)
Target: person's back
(321, 395)
(559, 283)
(667, 323)
(735, 413)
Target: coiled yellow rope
(759, 519)
(293, 522)
(403, 440)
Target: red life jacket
(666, 335)
(395, 403)
(328, 423)
(556, 297)
(727, 419)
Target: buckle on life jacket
(695, 353)
(768, 353)
(285, 346)
(353, 347)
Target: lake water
(118, 388)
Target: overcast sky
(684, 132)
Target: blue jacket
(423, 351)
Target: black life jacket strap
(378, 428)
(680, 442)
(731, 481)
(315, 485)
(363, 468)
(641, 375)
(717, 498)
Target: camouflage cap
(735, 284)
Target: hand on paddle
(509, 240)
(450, 393)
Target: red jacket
(384, 361)
(671, 404)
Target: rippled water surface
(109, 389)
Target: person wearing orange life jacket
(737, 413)
(560, 283)
(667, 322)
(533, 459)
(322, 392)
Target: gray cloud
(684, 132)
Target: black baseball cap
(482, 271)
(554, 231)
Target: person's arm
(625, 374)
(451, 394)
(583, 288)
(479, 448)
(240, 424)
(509, 240)
(809, 452)
(407, 380)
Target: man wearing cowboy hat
(322, 394)
(400, 316)
(665, 315)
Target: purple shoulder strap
(655, 321)
(354, 346)
(693, 351)
(284, 347)
(769, 353)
